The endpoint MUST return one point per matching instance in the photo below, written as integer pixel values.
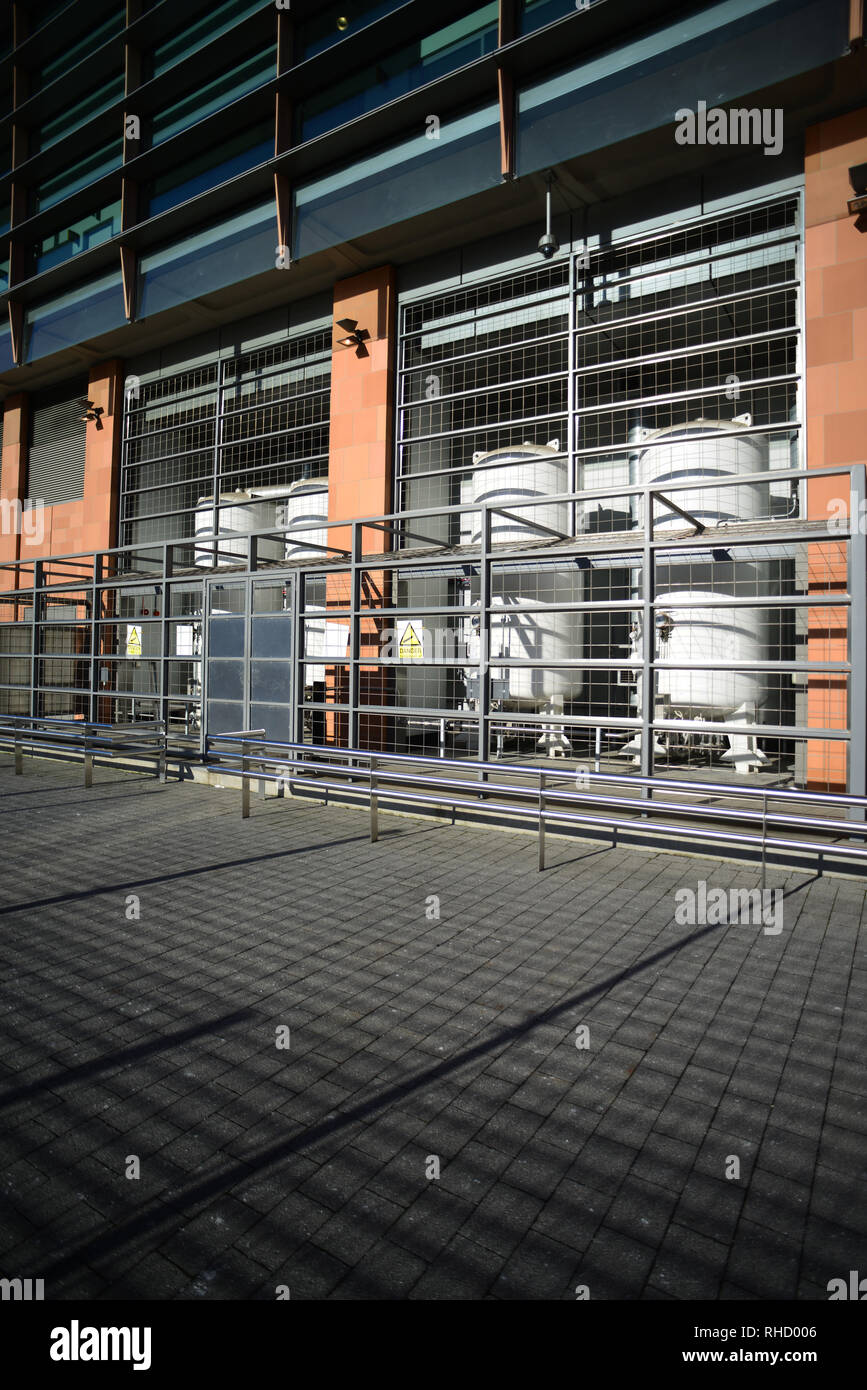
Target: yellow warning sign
(133, 641)
(409, 646)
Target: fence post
(19, 758)
(764, 834)
(245, 785)
(88, 762)
(541, 821)
(374, 803)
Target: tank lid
(307, 485)
(548, 450)
(700, 426)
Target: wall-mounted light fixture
(355, 336)
(858, 204)
(93, 412)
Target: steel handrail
(361, 780)
(619, 778)
(106, 740)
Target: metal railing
(533, 793)
(24, 733)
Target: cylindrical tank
(705, 635)
(305, 502)
(672, 458)
(519, 473)
(323, 637)
(242, 515)
(534, 635)
(505, 476)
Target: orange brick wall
(13, 479)
(836, 390)
(360, 472)
(89, 523)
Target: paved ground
(413, 1038)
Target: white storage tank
(305, 502)
(240, 513)
(704, 635)
(672, 458)
(323, 637)
(505, 477)
(698, 451)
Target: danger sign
(133, 641)
(409, 646)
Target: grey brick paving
(412, 1040)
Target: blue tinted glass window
(221, 254)
(74, 116)
(535, 14)
(399, 182)
(198, 175)
(215, 20)
(4, 275)
(337, 22)
(80, 235)
(78, 175)
(204, 100)
(74, 317)
(6, 358)
(423, 61)
(95, 35)
(730, 48)
(47, 13)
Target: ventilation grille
(57, 444)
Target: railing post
(162, 756)
(764, 834)
(88, 762)
(245, 786)
(262, 769)
(374, 803)
(541, 821)
(19, 758)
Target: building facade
(273, 271)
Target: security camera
(548, 243)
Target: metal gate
(250, 657)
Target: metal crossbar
(532, 794)
(105, 741)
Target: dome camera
(548, 244)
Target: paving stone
(454, 1039)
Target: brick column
(13, 481)
(836, 354)
(102, 458)
(360, 472)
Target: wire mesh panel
(481, 368)
(685, 337)
(250, 425)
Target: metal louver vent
(57, 441)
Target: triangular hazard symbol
(410, 648)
